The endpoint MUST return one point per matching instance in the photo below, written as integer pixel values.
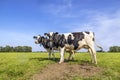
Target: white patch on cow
(81, 44)
(38, 37)
(51, 33)
(70, 47)
(36, 40)
(90, 35)
(89, 38)
(62, 51)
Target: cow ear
(34, 37)
(45, 34)
(56, 33)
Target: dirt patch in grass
(66, 71)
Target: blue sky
(20, 20)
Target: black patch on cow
(55, 38)
(75, 43)
(62, 41)
(45, 42)
(78, 36)
(93, 39)
(69, 40)
(87, 32)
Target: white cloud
(63, 9)
(105, 26)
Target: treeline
(114, 49)
(8, 48)
(15, 49)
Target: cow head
(38, 39)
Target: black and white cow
(74, 41)
(50, 47)
(45, 42)
(58, 41)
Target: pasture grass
(22, 66)
(110, 62)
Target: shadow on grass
(43, 59)
(81, 62)
(86, 62)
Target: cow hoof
(61, 61)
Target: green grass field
(21, 66)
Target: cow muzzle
(36, 42)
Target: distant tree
(100, 51)
(119, 48)
(114, 49)
(8, 48)
(1, 49)
(27, 49)
(18, 49)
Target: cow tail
(96, 43)
(99, 46)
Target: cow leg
(94, 54)
(69, 55)
(49, 54)
(91, 55)
(62, 50)
(53, 55)
(72, 55)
